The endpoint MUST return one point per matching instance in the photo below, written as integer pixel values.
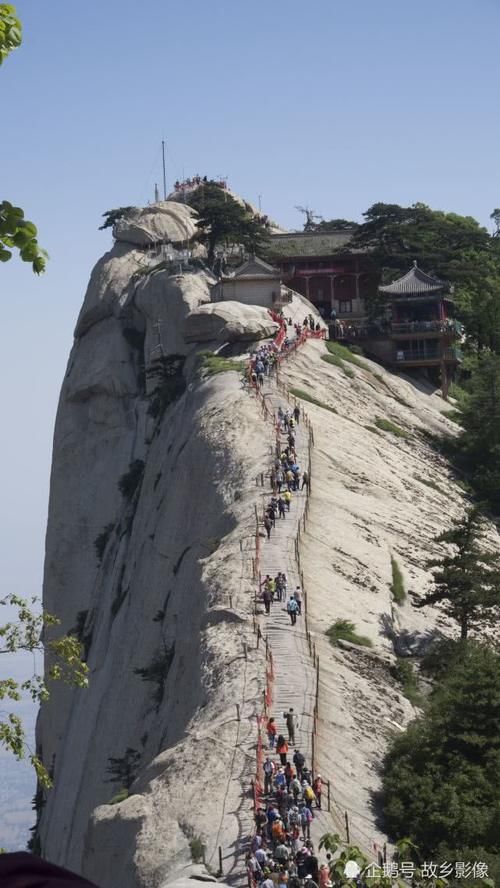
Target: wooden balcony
(426, 329)
(432, 356)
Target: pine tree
(441, 777)
(222, 220)
(467, 579)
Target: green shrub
(210, 364)
(197, 849)
(440, 776)
(130, 481)
(346, 631)
(337, 362)
(169, 383)
(112, 216)
(397, 585)
(404, 673)
(459, 394)
(123, 770)
(345, 354)
(387, 426)
(101, 540)
(305, 396)
(356, 350)
(119, 797)
(157, 672)
(442, 657)
(454, 415)
(465, 486)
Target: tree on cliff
(25, 633)
(495, 216)
(453, 247)
(477, 450)
(16, 232)
(222, 221)
(112, 216)
(441, 778)
(396, 235)
(334, 225)
(467, 579)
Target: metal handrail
(434, 326)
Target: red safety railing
(257, 783)
(280, 353)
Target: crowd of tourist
(282, 852)
(286, 476)
(275, 589)
(265, 357)
(196, 181)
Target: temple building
(253, 283)
(422, 329)
(322, 266)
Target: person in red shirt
(289, 775)
(271, 733)
(282, 749)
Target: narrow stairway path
(294, 683)
(294, 672)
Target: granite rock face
(146, 516)
(162, 222)
(148, 559)
(228, 322)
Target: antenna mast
(164, 175)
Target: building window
(345, 307)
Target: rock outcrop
(148, 560)
(160, 223)
(228, 322)
(376, 495)
(148, 516)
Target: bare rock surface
(156, 579)
(374, 495)
(163, 222)
(228, 322)
(157, 584)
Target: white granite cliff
(158, 599)
(165, 613)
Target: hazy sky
(331, 103)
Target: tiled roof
(256, 266)
(309, 243)
(414, 281)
